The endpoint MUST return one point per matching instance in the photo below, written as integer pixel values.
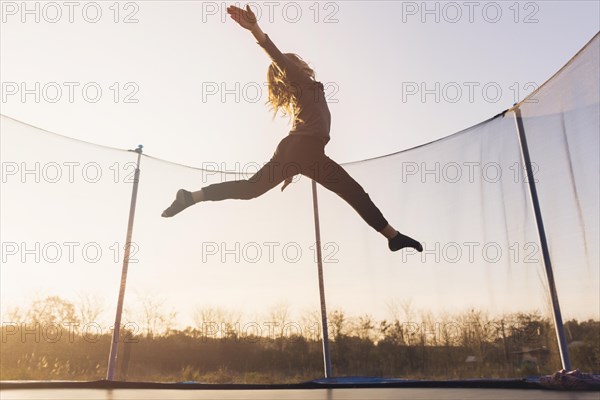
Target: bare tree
(13, 314)
(156, 320)
(365, 326)
(52, 310)
(89, 308)
(429, 329)
(311, 324)
(278, 317)
(401, 310)
(216, 321)
(338, 323)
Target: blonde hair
(283, 95)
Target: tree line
(54, 338)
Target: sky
(180, 59)
(182, 79)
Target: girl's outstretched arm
(247, 20)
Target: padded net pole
(558, 323)
(114, 347)
(326, 358)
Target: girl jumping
(294, 90)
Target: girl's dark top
(314, 118)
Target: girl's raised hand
(245, 18)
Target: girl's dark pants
(301, 154)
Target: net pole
(114, 347)
(326, 357)
(558, 322)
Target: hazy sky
(189, 84)
(183, 60)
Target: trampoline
(487, 217)
(414, 390)
(317, 394)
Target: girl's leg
(269, 176)
(332, 176)
(265, 179)
(389, 232)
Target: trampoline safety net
(228, 291)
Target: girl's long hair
(283, 95)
